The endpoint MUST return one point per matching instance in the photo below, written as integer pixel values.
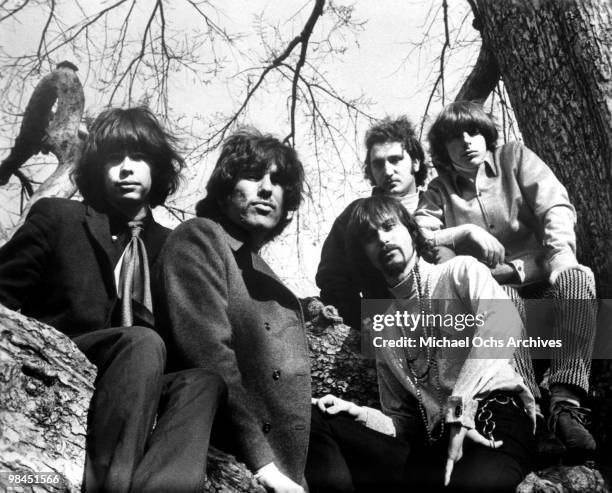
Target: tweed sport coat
(222, 308)
(57, 267)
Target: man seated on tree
(224, 309)
(504, 206)
(461, 415)
(83, 268)
(394, 164)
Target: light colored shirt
(516, 198)
(464, 378)
(410, 201)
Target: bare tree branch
(219, 134)
(485, 74)
(44, 31)
(14, 11)
(482, 80)
(304, 37)
(440, 78)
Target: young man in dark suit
(83, 268)
(226, 310)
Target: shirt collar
(119, 224)
(459, 181)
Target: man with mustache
(225, 310)
(83, 268)
(394, 165)
(462, 419)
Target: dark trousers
(344, 456)
(131, 390)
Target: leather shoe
(569, 423)
(550, 448)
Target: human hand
(274, 480)
(458, 434)
(330, 404)
(491, 251)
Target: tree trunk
(46, 384)
(43, 130)
(555, 58)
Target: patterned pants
(574, 322)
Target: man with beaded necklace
(434, 399)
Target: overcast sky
(391, 61)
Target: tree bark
(482, 80)
(46, 384)
(555, 58)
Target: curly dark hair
(456, 118)
(370, 213)
(395, 130)
(248, 151)
(131, 130)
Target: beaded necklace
(424, 298)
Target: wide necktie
(134, 280)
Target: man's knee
(144, 345)
(575, 283)
(145, 339)
(202, 382)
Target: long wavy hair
(249, 151)
(370, 213)
(131, 130)
(454, 119)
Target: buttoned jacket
(224, 309)
(58, 266)
(516, 198)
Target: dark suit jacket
(57, 267)
(344, 278)
(222, 308)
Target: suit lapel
(260, 266)
(237, 240)
(98, 227)
(154, 237)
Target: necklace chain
(424, 298)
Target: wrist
(262, 471)
(462, 233)
(356, 411)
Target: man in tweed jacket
(225, 310)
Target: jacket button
(266, 427)
(276, 374)
(267, 326)
(458, 411)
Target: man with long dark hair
(461, 415)
(83, 268)
(225, 310)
